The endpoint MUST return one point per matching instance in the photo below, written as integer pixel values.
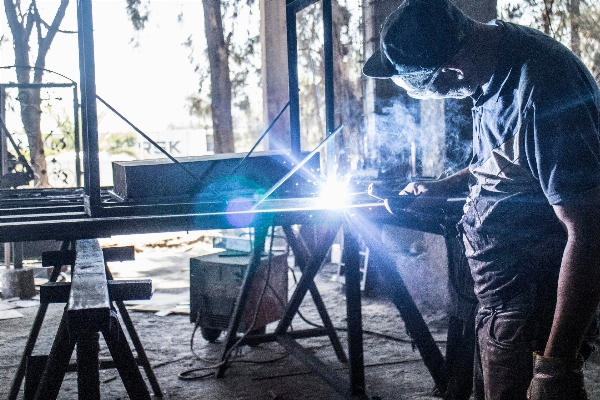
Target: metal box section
(159, 178)
(215, 282)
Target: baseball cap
(418, 39)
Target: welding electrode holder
(393, 201)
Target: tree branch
(44, 44)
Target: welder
(531, 223)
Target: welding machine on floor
(215, 282)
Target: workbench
(60, 215)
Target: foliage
(118, 143)
(23, 22)
(244, 63)
(575, 23)
(138, 14)
(65, 139)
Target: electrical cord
(191, 374)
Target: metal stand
(46, 373)
(309, 265)
(416, 327)
(88, 381)
(47, 261)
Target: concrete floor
(394, 369)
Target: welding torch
(393, 201)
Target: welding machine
(215, 282)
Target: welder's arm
(579, 281)
(558, 372)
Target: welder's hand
(433, 188)
(415, 189)
(557, 379)
(425, 197)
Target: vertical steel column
(354, 312)
(329, 84)
(89, 116)
(3, 150)
(292, 43)
(76, 137)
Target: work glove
(557, 379)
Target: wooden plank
(162, 178)
(89, 298)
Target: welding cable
(260, 298)
(260, 138)
(364, 331)
(166, 153)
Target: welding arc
(297, 167)
(180, 165)
(261, 138)
(20, 156)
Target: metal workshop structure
(77, 214)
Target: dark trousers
(506, 337)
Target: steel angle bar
(261, 137)
(89, 113)
(297, 167)
(299, 5)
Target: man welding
(531, 223)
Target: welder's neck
(484, 46)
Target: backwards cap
(419, 37)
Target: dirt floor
(394, 369)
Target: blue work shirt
(536, 143)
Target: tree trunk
(31, 117)
(574, 16)
(30, 99)
(218, 58)
(547, 16)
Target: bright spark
(334, 194)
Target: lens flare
(237, 214)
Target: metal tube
(76, 138)
(292, 42)
(89, 115)
(261, 137)
(329, 83)
(297, 167)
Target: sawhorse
(354, 387)
(89, 311)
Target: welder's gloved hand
(557, 379)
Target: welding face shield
(416, 41)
